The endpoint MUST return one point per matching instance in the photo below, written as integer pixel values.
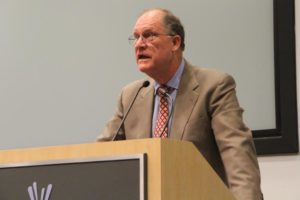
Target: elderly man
(206, 110)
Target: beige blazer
(206, 113)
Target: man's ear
(176, 42)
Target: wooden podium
(175, 169)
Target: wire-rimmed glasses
(146, 37)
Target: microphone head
(146, 83)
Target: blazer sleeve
(234, 141)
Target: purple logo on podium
(34, 194)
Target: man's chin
(144, 67)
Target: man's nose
(140, 42)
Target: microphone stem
(131, 104)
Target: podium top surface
(117, 148)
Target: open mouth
(143, 57)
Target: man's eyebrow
(144, 31)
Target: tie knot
(163, 89)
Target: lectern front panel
(108, 178)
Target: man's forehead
(149, 21)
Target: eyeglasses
(145, 37)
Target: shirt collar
(175, 80)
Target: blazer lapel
(184, 103)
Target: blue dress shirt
(174, 84)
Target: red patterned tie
(162, 117)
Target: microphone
(145, 84)
(164, 92)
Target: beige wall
(281, 174)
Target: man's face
(153, 56)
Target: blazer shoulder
(135, 85)
(208, 75)
(131, 89)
